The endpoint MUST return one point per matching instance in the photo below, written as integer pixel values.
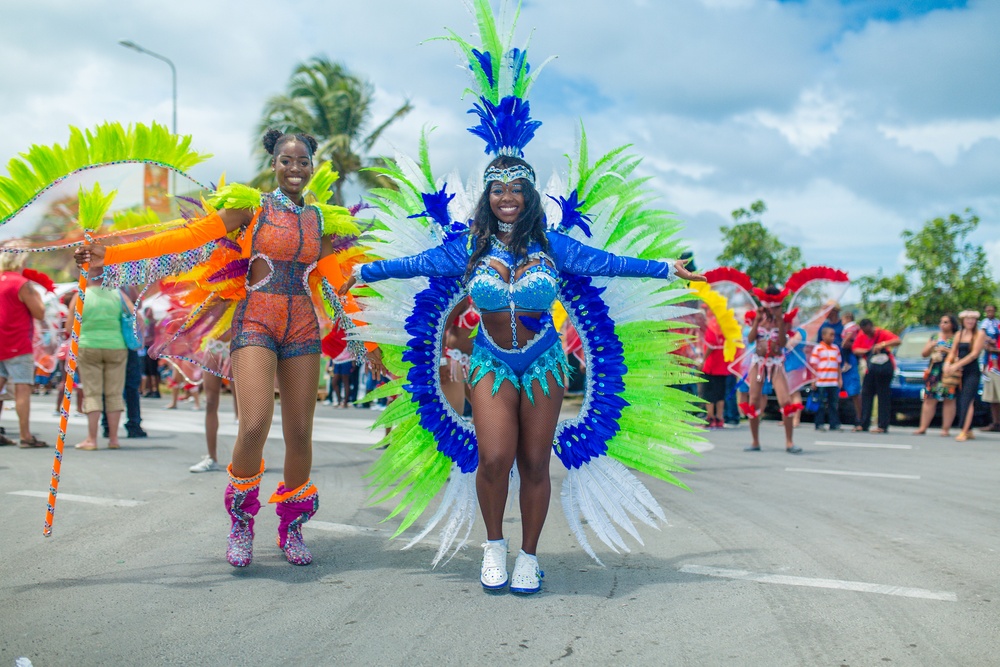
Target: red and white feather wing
(815, 290)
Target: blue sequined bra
(534, 290)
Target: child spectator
(826, 360)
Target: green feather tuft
(497, 39)
(94, 205)
(235, 196)
(337, 221)
(132, 219)
(322, 182)
(609, 183)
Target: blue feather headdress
(501, 79)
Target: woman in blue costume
(512, 268)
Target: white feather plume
(460, 506)
(602, 492)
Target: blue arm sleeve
(449, 259)
(574, 257)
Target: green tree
(944, 273)
(329, 102)
(755, 251)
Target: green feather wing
(41, 167)
(411, 469)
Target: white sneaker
(527, 578)
(207, 464)
(494, 574)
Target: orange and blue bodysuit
(278, 311)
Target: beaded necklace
(503, 253)
(282, 199)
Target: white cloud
(944, 139)
(810, 124)
(829, 223)
(691, 170)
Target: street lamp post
(128, 44)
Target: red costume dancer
(810, 293)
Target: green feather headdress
(497, 71)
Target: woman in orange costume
(275, 334)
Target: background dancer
(807, 295)
(768, 338)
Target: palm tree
(329, 102)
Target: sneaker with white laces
(207, 464)
(494, 572)
(527, 578)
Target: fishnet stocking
(254, 372)
(298, 381)
(253, 378)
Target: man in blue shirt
(832, 322)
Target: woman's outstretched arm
(574, 257)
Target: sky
(853, 120)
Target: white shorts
(991, 387)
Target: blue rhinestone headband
(508, 174)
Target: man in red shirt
(19, 303)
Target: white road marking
(343, 528)
(852, 473)
(785, 580)
(93, 500)
(871, 445)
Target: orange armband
(329, 268)
(189, 237)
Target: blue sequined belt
(286, 277)
(542, 355)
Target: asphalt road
(864, 550)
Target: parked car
(908, 382)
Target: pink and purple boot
(242, 504)
(294, 508)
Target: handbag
(878, 359)
(131, 336)
(951, 380)
(879, 362)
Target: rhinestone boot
(294, 508)
(242, 504)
